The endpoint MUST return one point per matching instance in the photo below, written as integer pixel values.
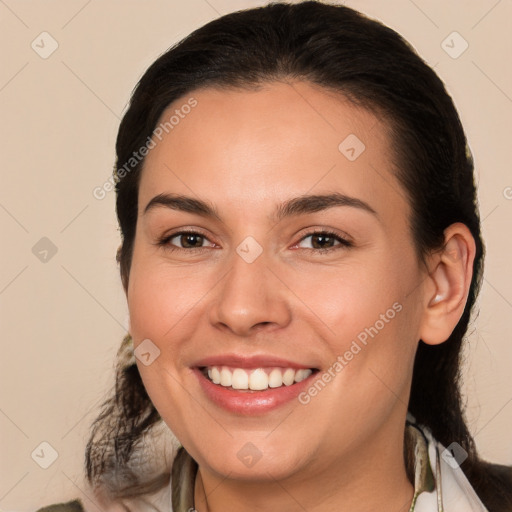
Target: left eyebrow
(314, 203)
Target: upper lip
(244, 361)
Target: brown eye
(190, 240)
(322, 241)
(184, 240)
(325, 241)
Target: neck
(360, 482)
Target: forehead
(254, 147)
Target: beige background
(61, 321)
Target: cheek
(352, 297)
(160, 297)
(372, 321)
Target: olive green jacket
(431, 461)
(71, 506)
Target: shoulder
(77, 506)
(493, 483)
(70, 506)
(501, 473)
(474, 483)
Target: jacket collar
(440, 485)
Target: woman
(301, 253)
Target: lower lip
(247, 402)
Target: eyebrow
(296, 206)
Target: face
(291, 259)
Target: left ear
(448, 282)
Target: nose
(250, 298)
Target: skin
(245, 152)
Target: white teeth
(289, 376)
(225, 377)
(240, 379)
(258, 379)
(300, 375)
(275, 379)
(215, 375)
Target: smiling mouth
(255, 379)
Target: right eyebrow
(184, 204)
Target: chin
(253, 461)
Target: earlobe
(436, 299)
(449, 280)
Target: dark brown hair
(370, 64)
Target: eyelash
(344, 243)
